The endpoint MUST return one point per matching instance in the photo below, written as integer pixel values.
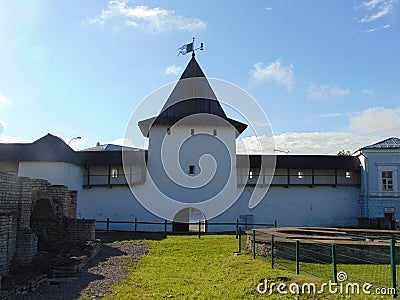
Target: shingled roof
(111, 147)
(192, 95)
(390, 143)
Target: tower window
(348, 174)
(191, 169)
(215, 132)
(300, 174)
(114, 173)
(169, 131)
(251, 174)
(192, 131)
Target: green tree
(344, 153)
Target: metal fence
(359, 264)
(200, 227)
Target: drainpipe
(367, 182)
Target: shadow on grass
(117, 236)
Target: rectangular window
(114, 173)
(191, 169)
(300, 174)
(387, 180)
(169, 131)
(215, 132)
(348, 174)
(251, 174)
(192, 131)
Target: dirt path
(107, 269)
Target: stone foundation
(53, 233)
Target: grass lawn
(185, 267)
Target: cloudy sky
(326, 73)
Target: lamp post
(75, 138)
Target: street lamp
(75, 138)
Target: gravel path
(107, 269)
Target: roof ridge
(389, 143)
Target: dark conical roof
(192, 95)
(192, 70)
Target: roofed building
(301, 190)
(380, 194)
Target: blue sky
(325, 72)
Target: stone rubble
(96, 280)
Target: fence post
(334, 263)
(135, 224)
(297, 257)
(199, 228)
(272, 251)
(240, 240)
(165, 226)
(254, 243)
(275, 223)
(237, 228)
(393, 265)
(108, 224)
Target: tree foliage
(344, 153)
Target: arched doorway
(187, 220)
(42, 210)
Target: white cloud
(6, 138)
(325, 92)
(369, 126)
(387, 26)
(332, 115)
(255, 145)
(152, 19)
(122, 142)
(367, 92)
(324, 143)
(173, 69)
(129, 143)
(377, 120)
(3, 125)
(273, 72)
(268, 8)
(9, 139)
(4, 100)
(376, 9)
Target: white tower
(192, 150)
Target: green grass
(185, 267)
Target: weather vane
(186, 48)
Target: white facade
(62, 173)
(193, 162)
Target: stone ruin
(36, 216)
